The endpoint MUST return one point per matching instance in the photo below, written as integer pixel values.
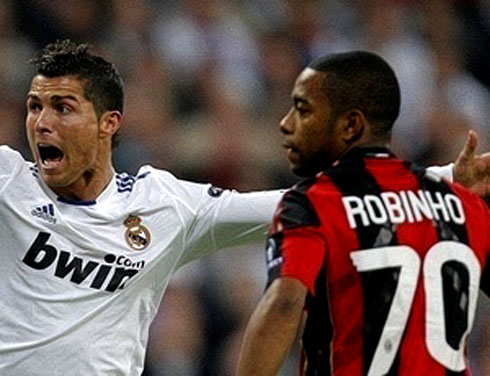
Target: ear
(353, 126)
(109, 124)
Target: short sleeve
(295, 246)
(445, 172)
(231, 219)
(217, 218)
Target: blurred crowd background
(207, 82)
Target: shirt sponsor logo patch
(215, 191)
(273, 254)
(45, 212)
(110, 275)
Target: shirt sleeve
(225, 218)
(443, 171)
(296, 247)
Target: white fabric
(60, 261)
(445, 172)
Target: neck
(370, 142)
(87, 188)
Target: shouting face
(63, 132)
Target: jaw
(76, 179)
(55, 177)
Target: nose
(44, 122)
(286, 125)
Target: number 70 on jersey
(410, 266)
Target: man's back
(392, 257)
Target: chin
(53, 181)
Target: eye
(302, 111)
(63, 108)
(33, 106)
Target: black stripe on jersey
(296, 209)
(353, 179)
(485, 278)
(455, 275)
(125, 182)
(445, 230)
(34, 169)
(318, 330)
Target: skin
(272, 328)
(473, 171)
(59, 114)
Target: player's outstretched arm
(471, 170)
(272, 328)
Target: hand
(473, 171)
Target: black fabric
(318, 331)
(296, 209)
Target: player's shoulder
(158, 183)
(8, 153)
(10, 160)
(296, 208)
(320, 185)
(156, 177)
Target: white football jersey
(80, 282)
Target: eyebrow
(54, 98)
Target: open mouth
(50, 155)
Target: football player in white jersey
(87, 252)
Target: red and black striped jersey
(393, 258)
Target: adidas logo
(45, 212)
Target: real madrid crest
(137, 235)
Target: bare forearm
(270, 334)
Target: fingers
(469, 148)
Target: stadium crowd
(207, 82)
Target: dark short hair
(361, 80)
(102, 83)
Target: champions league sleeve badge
(137, 235)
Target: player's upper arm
(216, 218)
(230, 218)
(286, 296)
(296, 246)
